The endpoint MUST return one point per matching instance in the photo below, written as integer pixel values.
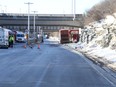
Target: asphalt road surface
(52, 65)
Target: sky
(46, 6)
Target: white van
(4, 35)
(20, 36)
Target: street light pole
(34, 24)
(5, 9)
(74, 8)
(1, 8)
(28, 21)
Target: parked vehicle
(64, 36)
(74, 35)
(19, 36)
(4, 37)
(68, 35)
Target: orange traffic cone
(25, 46)
(38, 46)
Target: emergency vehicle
(68, 35)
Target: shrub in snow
(106, 40)
(113, 46)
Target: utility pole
(74, 8)
(34, 24)
(5, 9)
(28, 21)
(1, 8)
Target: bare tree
(100, 10)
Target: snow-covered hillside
(98, 41)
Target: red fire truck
(68, 35)
(74, 35)
(64, 36)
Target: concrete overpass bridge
(45, 22)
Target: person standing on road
(11, 40)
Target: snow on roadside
(52, 39)
(107, 55)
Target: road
(52, 65)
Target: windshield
(20, 35)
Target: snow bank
(105, 55)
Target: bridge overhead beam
(41, 23)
